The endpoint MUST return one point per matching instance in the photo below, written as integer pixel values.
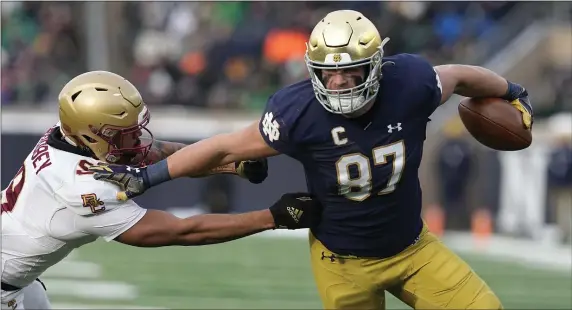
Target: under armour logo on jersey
(391, 128)
(129, 169)
(270, 127)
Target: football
(495, 123)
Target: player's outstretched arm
(193, 160)
(158, 228)
(162, 149)
(253, 170)
(219, 150)
(474, 82)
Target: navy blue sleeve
(427, 83)
(277, 124)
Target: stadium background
(208, 67)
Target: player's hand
(523, 105)
(132, 181)
(296, 210)
(254, 171)
(518, 98)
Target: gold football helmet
(102, 112)
(345, 39)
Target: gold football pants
(426, 275)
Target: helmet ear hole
(75, 95)
(89, 139)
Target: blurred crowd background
(230, 56)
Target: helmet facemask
(125, 145)
(348, 101)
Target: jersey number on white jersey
(11, 193)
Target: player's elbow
(471, 81)
(181, 233)
(453, 77)
(227, 148)
(187, 233)
(158, 229)
(244, 144)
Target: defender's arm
(98, 213)
(470, 81)
(159, 228)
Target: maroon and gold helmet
(103, 112)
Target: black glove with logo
(296, 210)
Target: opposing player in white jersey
(53, 205)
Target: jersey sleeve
(276, 125)
(112, 223)
(428, 85)
(89, 197)
(97, 211)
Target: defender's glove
(296, 210)
(132, 181)
(254, 171)
(518, 98)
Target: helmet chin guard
(349, 100)
(345, 39)
(133, 155)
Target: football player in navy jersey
(357, 125)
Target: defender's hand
(254, 171)
(296, 210)
(132, 181)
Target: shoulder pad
(406, 65)
(419, 77)
(292, 97)
(88, 197)
(282, 114)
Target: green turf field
(253, 273)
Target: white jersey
(52, 206)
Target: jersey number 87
(363, 181)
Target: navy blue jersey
(363, 170)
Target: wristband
(157, 173)
(514, 91)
